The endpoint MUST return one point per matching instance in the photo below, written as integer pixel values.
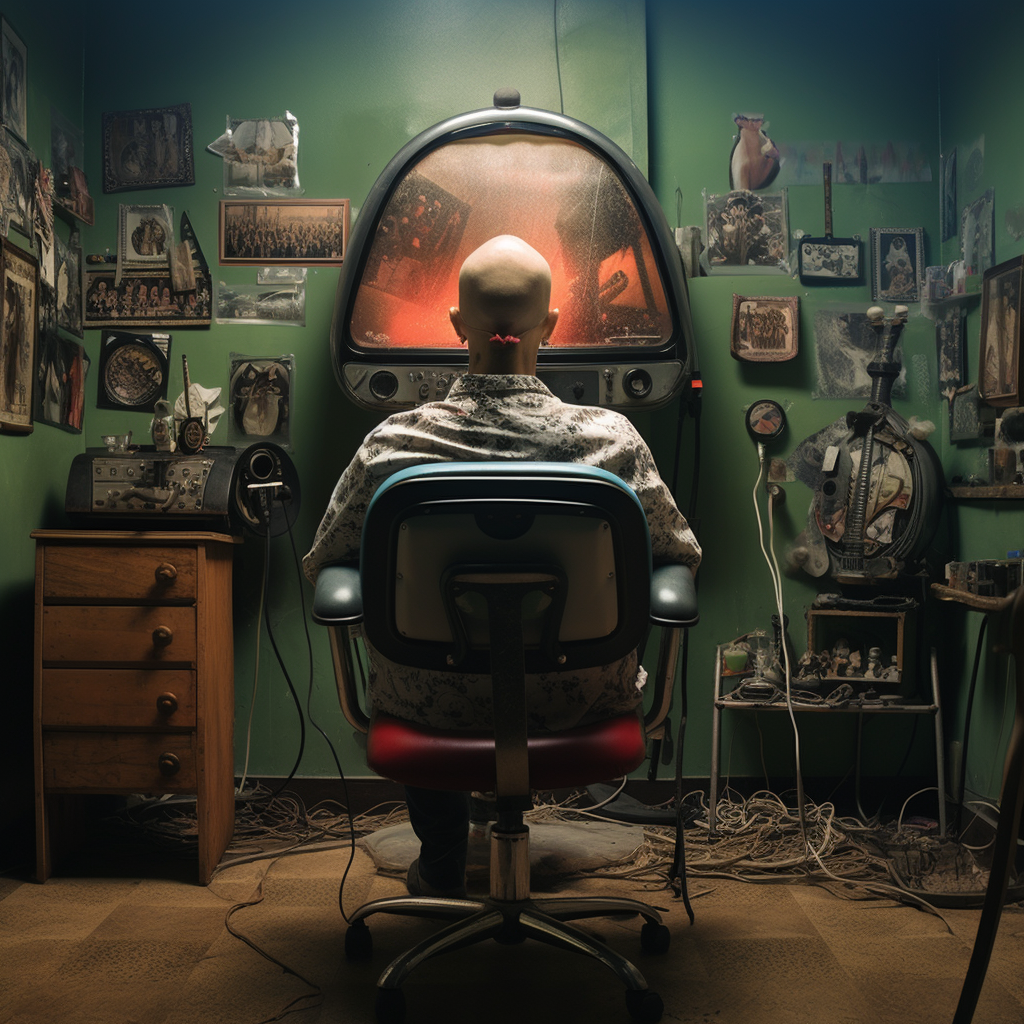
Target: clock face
(765, 420)
(133, 375)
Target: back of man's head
(504, 287)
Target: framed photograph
(283, 232)
(68, 284)
(145, 237)
(133, 370)
(978, 234)
(261, 304)
(260, 400)
(143, 301)
(18, 172)
(19, 323)
(148, 148)
(60, 382)
(897, 261)
(14, 102)
(950, 350)
(765, 328)
(747, 231)
(999, 372)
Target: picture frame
(62, 368)
(148, 148)
(765, 328)
(68, 277)
(747, 232)
(145, 236)
(14, 100)
(70, 187)
(283, 232)
(19, 324)
(978, 234)
(19, 169)
(1000, 381)
(897, 261)
(133, 370)
(144, 300)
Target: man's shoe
(418, 886)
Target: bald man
(498, 410)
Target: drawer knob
(167, 704)
(162, 636)
(166, 573)
(168, 764)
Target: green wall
(363, 79)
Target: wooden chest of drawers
(134, 676)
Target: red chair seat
(438, 759)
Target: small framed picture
(999, 372)
(148, 148)
(145, 237)
(283, 232)
(19, 170)
(19, 323)
(14, 102)
(765, 328)
(60, 382)
(897, 259)
(68, 284)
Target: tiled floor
(119, 950)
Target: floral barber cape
(494, 417)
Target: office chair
(1008, 631)
(505, 569)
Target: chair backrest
(431, 531)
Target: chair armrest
(338, 598)
(674, 596)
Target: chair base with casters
(484, 587)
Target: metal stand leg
(940, 752)
(716, 745)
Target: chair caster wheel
(655, 938)
(390, 1006)
(644, 1006)
(358, 942)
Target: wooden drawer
(116, 634)
(118, 762)
(120, 698)
(104, 572)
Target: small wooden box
(892, 632)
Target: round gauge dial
(766, 420)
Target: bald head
(504, 290)
(504, 286)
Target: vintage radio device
(222, 488)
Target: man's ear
(549, 324)
(456, 318)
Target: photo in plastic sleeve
(260, 156)
(281, 275)
(133, 370)
(747, 232)
(846, 344)
(61, 371)
(260, 399)
(148, 148)
(284, 305)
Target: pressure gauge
(765, 421)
